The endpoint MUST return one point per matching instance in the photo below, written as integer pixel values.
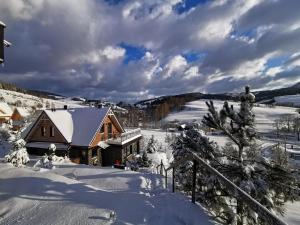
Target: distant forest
(13, 87)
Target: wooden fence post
(173, 179)
(194, 181)
(166, 179)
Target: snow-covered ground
(78, 194)
(293, 99)
(265, 116)
(11, 97)
(292, 215)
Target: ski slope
(292, 99)
(265, 116)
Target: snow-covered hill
(289, 99)
(265, 116)
(26, 100)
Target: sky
(128, 50)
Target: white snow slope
(10, 97)
(78, 194)
(293, 99)
(265, 116)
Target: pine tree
(241, 161)
(146, 162)
(152, 145)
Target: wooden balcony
(124, 137)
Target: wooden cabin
(5, 112)
(19, 117)
(87, 135)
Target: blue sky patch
(193, 56)
(277, 61)
(114, 2)
(186, 5)
(133, 53)
(251, 33)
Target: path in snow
(78, 194)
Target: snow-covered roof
(5, 110)
(78, 125)
(23, 111)
(120, 109)
(62, 119)
(2, 24)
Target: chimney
(65, 107)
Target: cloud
(113, 52)
(177, 63)
(83, 47)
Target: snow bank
(91, 196)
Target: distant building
(19, 117)
(5, 112)
(87, 135)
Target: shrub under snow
(18, 156)
(48, 160)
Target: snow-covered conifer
(18, 156)
(152, 145)
(240, 160)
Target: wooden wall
(104, 136)
(36, 134)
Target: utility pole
(3, 43)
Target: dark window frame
(52, 131)
(43, 131)
(102, 130)
(109, 128)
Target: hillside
(288, 100)
(37, 93)
(178, 100)
(265, 116)
(271, 94)
(14, 98)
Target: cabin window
(102, 129)
(109, 130)
(51, 131)
(43, 131)
(130, 149)
(94, 153)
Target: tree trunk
(239, 211)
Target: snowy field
(11, 97)
(265, 116)
(293, 99)
(78, 194)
